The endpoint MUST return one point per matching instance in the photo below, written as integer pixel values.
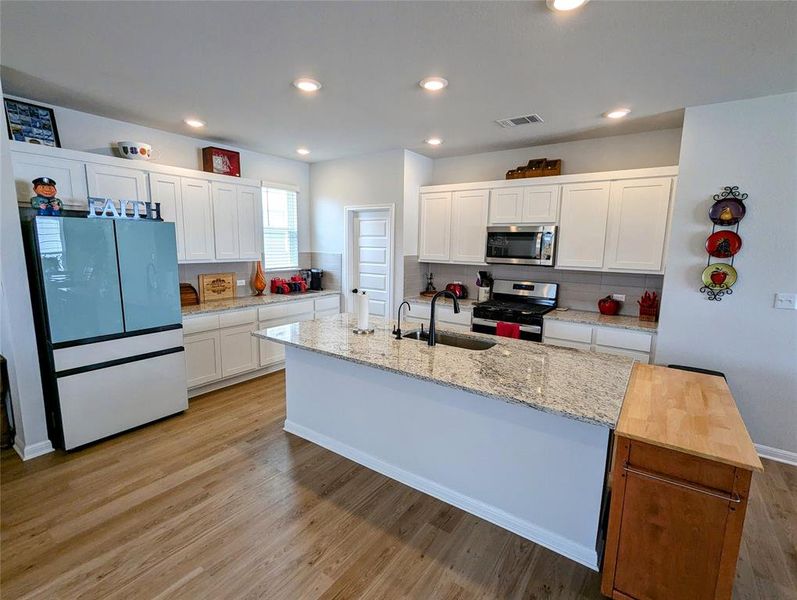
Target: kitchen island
(518, 434)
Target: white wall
(752, 144)
(418, 171)
(92, 133)
(633, 151)
(17, 336)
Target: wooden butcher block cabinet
(680, 483)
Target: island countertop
(585, 386)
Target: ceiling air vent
(515, 121)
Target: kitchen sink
(447, 339)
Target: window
(280, 236)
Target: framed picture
(221, 161)
(31, 123)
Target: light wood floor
(221, 503)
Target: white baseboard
(32, 450)
(784, 456)
(581, 554)
(223, 383)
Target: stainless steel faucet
(397, 328)
(432, 327)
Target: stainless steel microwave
(521, 245)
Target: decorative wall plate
(719, 276)
(723, 244)
(727, 213)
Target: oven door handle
(489, 323)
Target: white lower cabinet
(202, 357)
(611, 340)
(445, 317)
(238, 350)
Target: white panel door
(506, 206)
(238, 350)
(371, 262)
(469, 226)
(582, 225)
(197, 220)
(638, 224)
(540, 204)
(166, 189)
(202, 357)
(117, 183)
(434, 238)
(250, 222)
(225, 220)
(69, 176)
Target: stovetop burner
(523, 302)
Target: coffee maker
(315, 279)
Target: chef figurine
(45, 200)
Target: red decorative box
(221, 161)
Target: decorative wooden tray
(216, 286)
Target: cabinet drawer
(419, 311)
(447, 315)
(327, 303)
(669, 463)
(285, 309)
(330, 312)
(620, 338)
(238, 317)
(201, 323)
(567, 343)
(572, 332)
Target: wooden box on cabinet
(678, 502)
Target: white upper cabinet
(540, 204)
(250, 222)
(225, 220)
(166, 190)
(506, 206)
(117, 183)
(69, 176)
(434, 240)
(582, 225)
(638, 216)
(469, 226)
(197, 220)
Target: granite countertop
(595, 318)
(466, 304)
(585, 386)
(249, 301)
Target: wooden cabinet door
(540, 204)
(250, 222)
(202, 358)
(225, 220)
(469, 226)
(637, 227)
(506, 206)
(434, 241)
(117, 183)
(238, 350)
(166, 190)
(197, 220)
(69, 175)
(582, 225)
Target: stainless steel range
(521, 302)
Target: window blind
(280, 229)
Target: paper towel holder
(357, 330)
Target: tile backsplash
(190, 272)
(579, 290)
(332, 263)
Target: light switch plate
(619, 297)
(786, 301)
(242, 282)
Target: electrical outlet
(619, 297)
(242, 282)
(786, 301)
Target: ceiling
(232, 64)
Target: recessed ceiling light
(433, 84)
(617, 113)
(307, 85)
(434, 141)
(565, 5)
(196, 123)
(303, 151)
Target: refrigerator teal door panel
(148, 272)
(80, 277)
